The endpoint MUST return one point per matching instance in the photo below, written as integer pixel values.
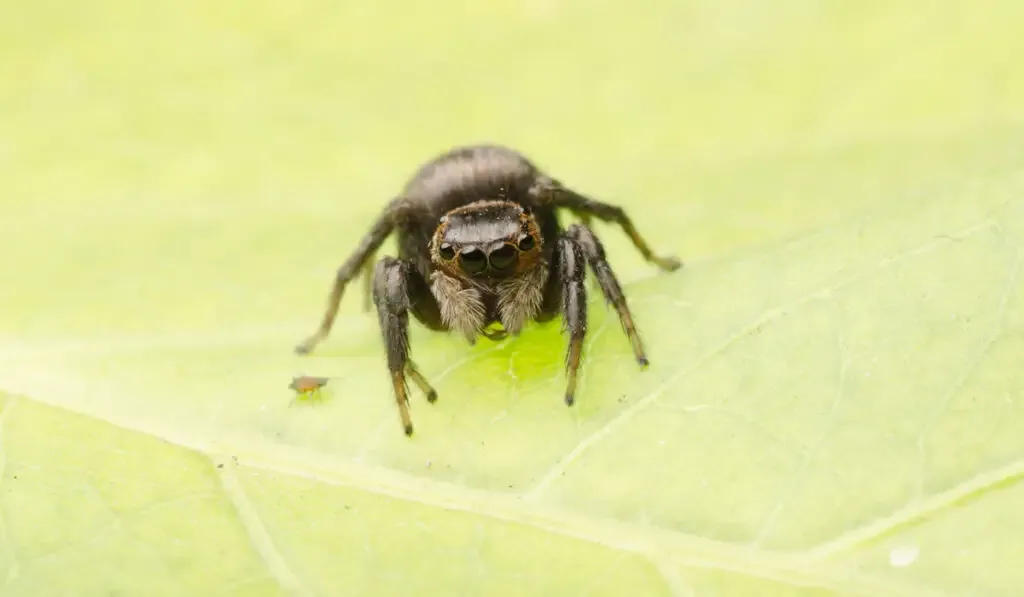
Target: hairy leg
(392, 280)
(610, 287)
(359, 259)
(420, 381)
(368, 283)
(571, 272)
(585, 208)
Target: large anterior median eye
(473, 261)
(504, 258)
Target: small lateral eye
(447, 252)
(526, 242)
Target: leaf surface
(833, 405)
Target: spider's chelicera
(479, 243)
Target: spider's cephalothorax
(479, 243)
(489, 257)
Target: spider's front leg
(397, 289)
(571, 272)
(610, 287)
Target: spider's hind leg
(368, 284)
(361, 257)
(585, 208)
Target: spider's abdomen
(467, 174)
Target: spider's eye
(526, 242)
(503, 258)
(447, 252)
(473, 261)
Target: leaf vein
(765, 318)
(5, 540)
(257, 531)
(831, 418)
(911, 513)
(965, 375)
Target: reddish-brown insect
(307, 385)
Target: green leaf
(833, 405)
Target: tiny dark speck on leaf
(15, 477)
(220, 466)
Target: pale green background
(835, 374)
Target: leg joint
(572, 260)
(587, 240)
(389, 285)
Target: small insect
(308, 386)
(481, 252)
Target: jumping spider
(479, 244)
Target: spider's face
(487, 239)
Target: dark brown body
(480, 243)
